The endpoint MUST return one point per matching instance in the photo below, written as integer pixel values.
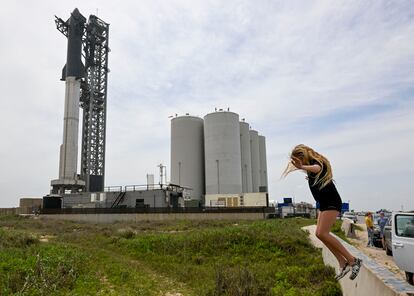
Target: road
(377, 254)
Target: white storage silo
(222, 153)
(246, 158)
(263, 164)
(254, 147)
(187, 154)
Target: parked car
(350, 215)
(403, 242)
(388, 237)
(377, 232)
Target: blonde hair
(306, 155)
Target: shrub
(13, 239)
(239, 281)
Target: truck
(403, 242)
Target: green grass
(271, 257)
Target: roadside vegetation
(217, 258)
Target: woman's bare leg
(341, 259)
(325, 222)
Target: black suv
(388, 237)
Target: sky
(335, 75)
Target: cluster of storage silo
(217, 155)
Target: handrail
(142, 187)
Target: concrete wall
(237, 200)
(156, 198)
(373, 279)
(111, 218)
(255, 199)
(16, 211)
(30, 202)
(223, 200)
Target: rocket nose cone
(78, 16)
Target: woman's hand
(296, 162)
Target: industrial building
(216, 161)
(126, 197)
(219, 157)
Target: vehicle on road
(350, 215)
(376, 234)
(403, 242)
(388, 237)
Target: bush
(14, 239)
(239, 281)
(40, 269)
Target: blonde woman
(319, 175)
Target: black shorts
(327, 197)
(324, 206)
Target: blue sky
(336, 75)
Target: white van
(403, 242)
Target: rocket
(76, 27)
(72, 74)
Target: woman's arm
(314, 168)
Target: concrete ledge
(348, 227)
(110, 218)
(373, 278)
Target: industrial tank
(187, 154)
(255, 155)
(222, 153)
(263, 164)
(246, 160)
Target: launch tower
(86, 87)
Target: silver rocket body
(72, 72)
(69, 148)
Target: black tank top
(327, 193)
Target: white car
(403, 242)
(350, 216)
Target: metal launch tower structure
(86, 88)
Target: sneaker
(343, 272)
(355, 268)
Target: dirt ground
(377, 254)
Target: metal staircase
(119, 199)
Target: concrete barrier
(137, 217)
(348, 227)
(373, 279)
(16, 211)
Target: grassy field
(272, 257)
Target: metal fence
(158, 210)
